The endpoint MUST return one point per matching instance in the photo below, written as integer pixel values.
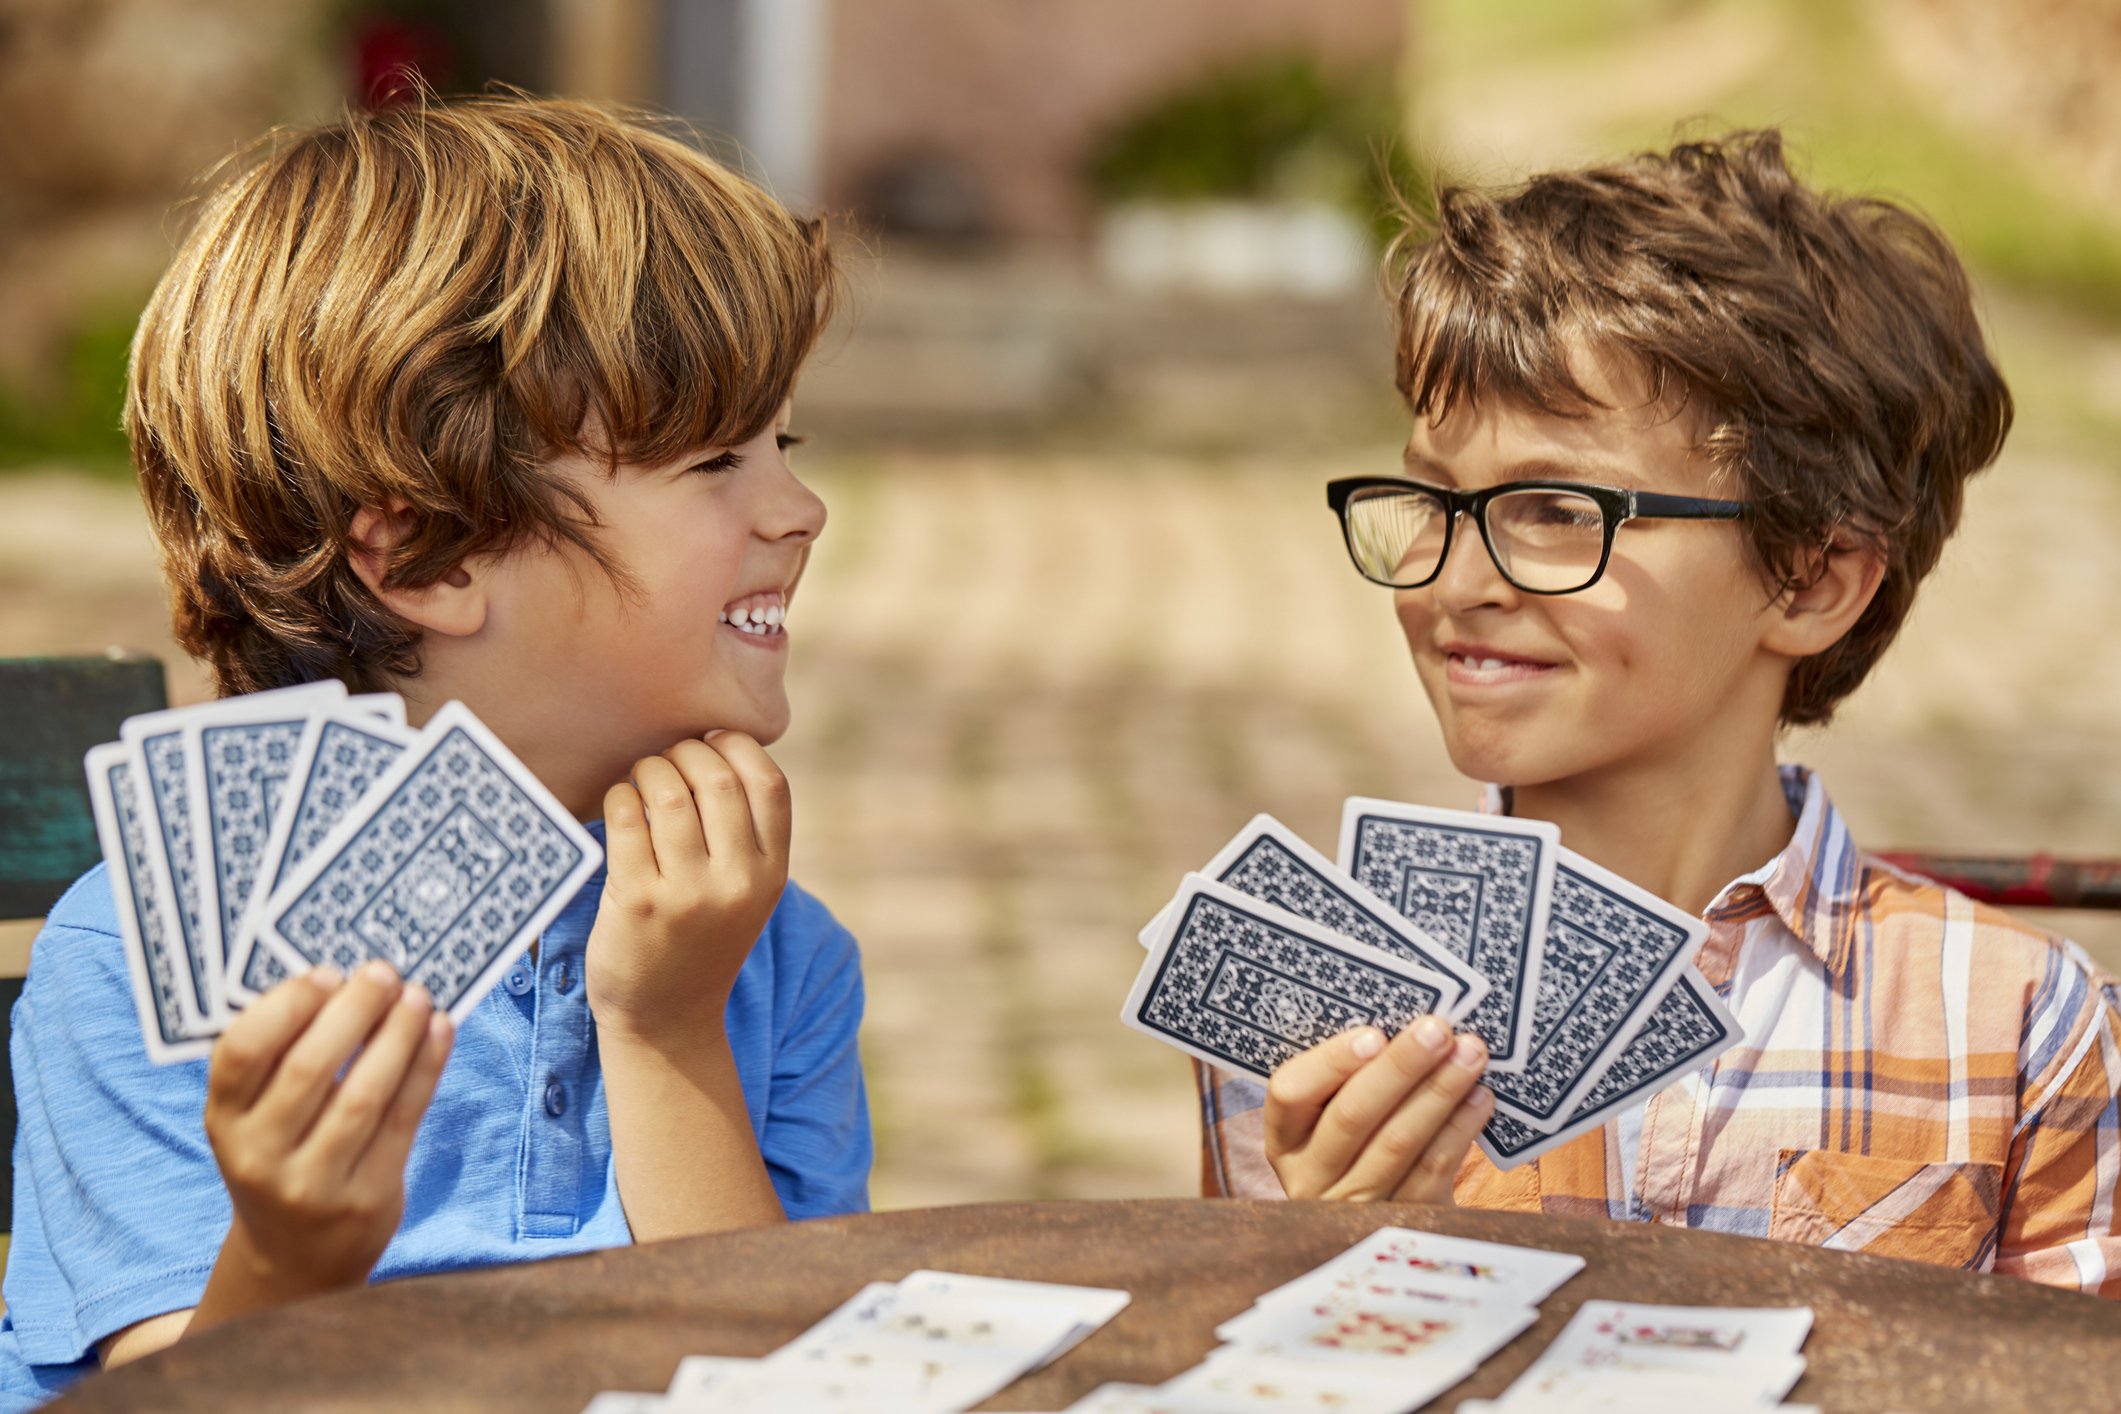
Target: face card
(1479, 884)
(343, 751)
(1244, 984)
(1401, 1264)
(1612, 952)
(1688, 1030)
(1270, 862)
(447, 870)
(152, 956)
(237, 755)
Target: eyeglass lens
(1544, 540)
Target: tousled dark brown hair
(1828, 345)
(424, 306)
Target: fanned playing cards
(253, 838)
(1581, 984)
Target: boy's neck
(1682, 829)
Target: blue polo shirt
(119, 1209)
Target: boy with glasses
(1688, 434)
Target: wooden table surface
(546, 1336)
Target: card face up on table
(1581, 984)
(250, 839)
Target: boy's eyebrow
(1601, 473)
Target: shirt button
(519, 980)
(562, 979)
(555, 1097)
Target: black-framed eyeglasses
(1546, 537)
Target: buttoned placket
(1675, 1120)
(554, 1113)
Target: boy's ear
(1845, 578)
(454, 605)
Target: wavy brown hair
(1828, 345)
(424, 306)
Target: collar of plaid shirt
(1921, 1077)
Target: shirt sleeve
(119, 1207)
(1233, 1161)
(2064, 1172)
(816, 1140)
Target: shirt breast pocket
(1939, 1213)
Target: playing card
(1401, 1263)
(1340, 1295)
(1479, 884)
(237, 755)
(1383, 1334)
(1135, 1399)
(153, 957)
(716, 1384)
(964, 1347)
(1743, 1356)
(447, 869)
(342, 752)
(1270, 862)
(1612, 952)
(1089, 1307)
(1244, 984)
(1233, 1381)
(1689, 1029)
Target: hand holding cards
(1580, 984)
(255, 838)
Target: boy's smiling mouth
(1476, 665)
(758, 617)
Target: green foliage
(1277, 126)
(73, 416)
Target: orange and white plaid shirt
(1921, 1076)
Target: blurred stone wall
(108, 111)
(2045, 75)
(993, 105)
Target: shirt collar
(1814, 886)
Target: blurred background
(1082, 611)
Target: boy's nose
(1470, 578)
(793, 512)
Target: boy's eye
(723, 461)
(789, 439)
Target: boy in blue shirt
(484, 401)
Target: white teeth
(776, 614)
(741, 617)
(722, 617)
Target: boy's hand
(1357, 1119)
(315, 1164)
(697, 850)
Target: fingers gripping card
(447, 869)
(1244, 984)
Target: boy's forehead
(1633, 439)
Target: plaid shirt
(1921, 1076)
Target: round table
(1889, 1335)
